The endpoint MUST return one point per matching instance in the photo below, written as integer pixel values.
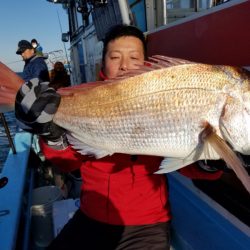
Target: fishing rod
(8, 133)
(8, 63)
(4, 180)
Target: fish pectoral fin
(86, 149)
(171, 164)
(226, 153)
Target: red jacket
(121, 189)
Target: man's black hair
(121, 30)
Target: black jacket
(35, 67)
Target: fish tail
(10, 83)
(227, 154)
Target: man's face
(124, 53)
(27, 54)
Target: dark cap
(22, 46)
(33, 40)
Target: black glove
(35, 106)
(212, 165)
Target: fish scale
(124, 112)
(159, 112)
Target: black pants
(83, 233)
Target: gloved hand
(35, 106)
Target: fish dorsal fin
(86, 149)
(80, 88)
(155, 62)
(166, 61)
(69, 91)
(227, 154)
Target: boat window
(106, 17)
(138, 13)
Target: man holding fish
(124, 204)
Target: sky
(28, 19)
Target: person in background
(123, 204)
(35, 65)
(38, 48)
(59, 77)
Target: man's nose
(124, 65)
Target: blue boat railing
(11, 195)
(201, 223)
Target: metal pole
(63, 42)
(124, 11)
(196, 5)
(8, 133)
